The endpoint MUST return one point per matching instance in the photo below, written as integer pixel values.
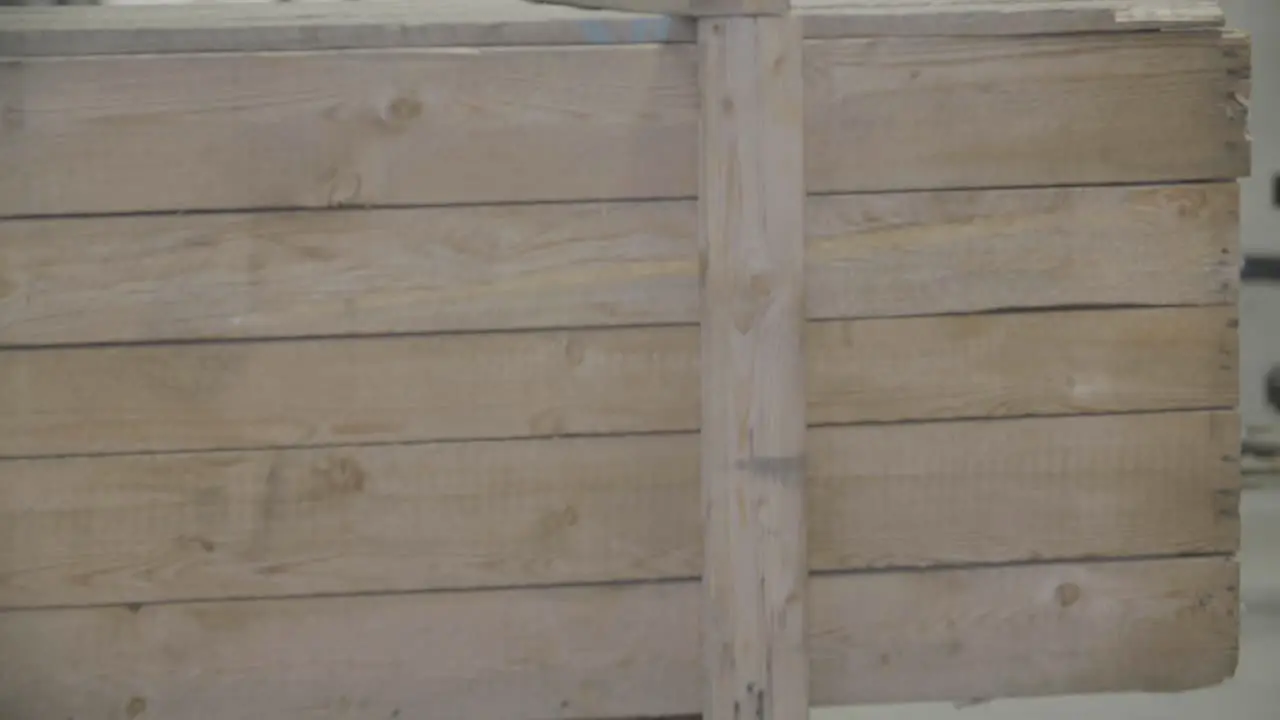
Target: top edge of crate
(255, 27)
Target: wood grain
(1028, 364)
(124, 279)
(445, 23)
(682, 8)
(506, 385)
(90, 531)
(624, 651)
(257, 131)
(751, 244)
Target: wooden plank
(751, 244)
(942, 18)
(323, 392)
(628, 651)
(1038, 364)
(228, 131)
(123, 279)
(252, 27)
(91, 531)
(683, 8)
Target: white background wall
(1260, 304)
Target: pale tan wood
(263, 26)
(751, 243)
(233, 131)
(224, 27)
(92, 531)
(629, 651)
(319, 392)
(1022, 364)
(98, 280)
(849, 18)
(1239, 54)
(683, 8)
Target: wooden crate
(349, 360)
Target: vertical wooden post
(751, 238)
(753, 385)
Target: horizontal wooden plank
(851, 18)
(122, 279)
(681, 8)
(505, 385)
(218, 27)
(625, 651)
(93, 531)
(251, 131)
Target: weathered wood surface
(623, 651)
(124, 279)
(253, 131)
(506, 385)
(477, 23)
(681, 8)
(751, 244)
(88, 531)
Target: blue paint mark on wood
(651, 29)
(640, 30)
(596, 32)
